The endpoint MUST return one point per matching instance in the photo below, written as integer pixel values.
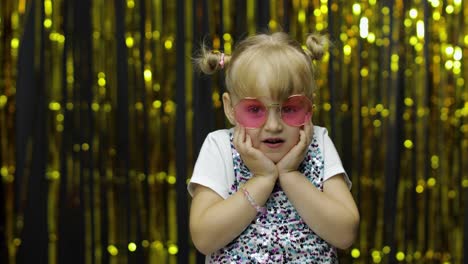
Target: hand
(291, 161)
(257, 162)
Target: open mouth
(273, 141)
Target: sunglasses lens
(250, 113)
(295, 110)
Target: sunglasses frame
(274, 105)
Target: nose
(273, 122)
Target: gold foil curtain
(144, 219)
(393, 95)
(11, 23)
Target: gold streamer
(12, 15)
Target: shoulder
(332, 162)
(320, 130)
(218, 139)
(219, 135)
(213, 167)
(217, 142)
(320, 133)
(323, 140)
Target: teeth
(273, 141)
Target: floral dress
(280, 236)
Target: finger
(311, 132)
(308, 128)
(308, 120)
(243, 134)
(243, 140)
(304, 143)
(248, 141)
(249, 148)
(237, 137)
(297, 149)
(308, 131)
(303, 140)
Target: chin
(275, 157)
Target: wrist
(268, 180)
(260, 209)
(288, 175)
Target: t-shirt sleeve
(333, 165)
(212, 166)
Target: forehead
(277, 74)
(264, 84)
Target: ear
(228, 110)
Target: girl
(272, 189)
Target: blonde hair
(273, 60)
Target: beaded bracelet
(260, 209)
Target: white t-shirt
(215, 169)
(214, 166)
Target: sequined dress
(280, 236)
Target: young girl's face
(273, 137)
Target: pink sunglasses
(252, 112)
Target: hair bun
(316, 46)
(211, 61)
